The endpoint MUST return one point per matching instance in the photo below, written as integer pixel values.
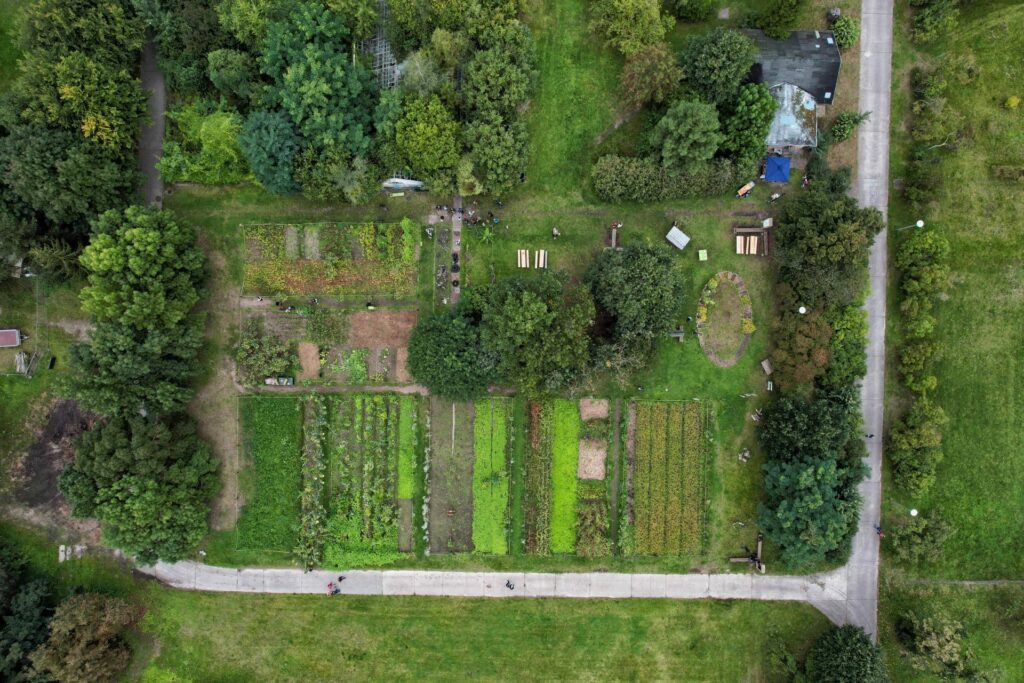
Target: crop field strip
(272, 444)
(451, 476)
(669, 478)
(364, 516)
(490, 476)
(537, 499)
(564, 457)
(331, 259)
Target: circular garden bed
(725, 319)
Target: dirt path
(79, 329)
(215, 405)
(151, 137)
(615, 464)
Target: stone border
(748, 314)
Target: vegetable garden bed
(490, 476)
(331, 259)
(669, 471)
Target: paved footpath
(846, 595)
(151, 138)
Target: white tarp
(678, 238)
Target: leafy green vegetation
(490, 476)
(408, 438)
(271, 440)
(564, 455)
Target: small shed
(10, 339)
(678, 238)
(776, 170)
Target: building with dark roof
(807, 59)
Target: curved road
(846, 595)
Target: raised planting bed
(725, 319)
(331, 259)
(272, 481)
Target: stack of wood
(540, 258)
(523, 258)
(752, 239)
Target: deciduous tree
(270, 143)
(499, 150)
(747, 127)
(714, 64)
(845, 654)
(650, 75)
(145, 269)
(427, 137)
(687, 135)
(445, 355)
(629, 25)
(87, 642)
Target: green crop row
(310, 544)
(674, 481)
(564, 457)
(407, 430)
(272, 442)
(490, 476)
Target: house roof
(796, 120)
(807, 59)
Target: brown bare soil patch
(402, 365)
(309, 358)
(593, 453)
(593, 409)
(374, 329)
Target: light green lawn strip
(406, 447)
(564, 457)
(490, 476)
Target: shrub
(326, 327)
(915, 447)
(203, 148)
(270, 143)
(847, 31)
(845, 123)
(934, 19)
(692, 11)
(1012, 102)
(650, 75)
(845, 654)
(919, 539)
(936, 646)
(260, 355)
(779, 17)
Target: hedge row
(633, 179)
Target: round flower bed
(725, 319)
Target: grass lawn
(272, 439)
(10, 27)
(980, 483)
(311, 638)
(564, 456)
(490, 475)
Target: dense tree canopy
(107, 30)
(811, 475)
(445, 356)
(845, 654)
(801, 340)
(746, 128)
(537, 331)
(148, 483)
(629, 25)
(686, 135)
(145, 269)
(823, 239)
(427, 137)
(270, 143)
(122, 370)
(87, 640)
(499, 151)
(714, 64)
(328, 96)
(650, 75)
(494, 83)
(641, 288)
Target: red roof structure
(9, 339)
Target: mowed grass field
(980, 484)
(210, 637)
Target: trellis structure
(385, 66)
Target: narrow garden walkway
(151, 138)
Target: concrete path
(871, 188)
(827, 591)
(151, 137)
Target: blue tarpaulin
(777, 170)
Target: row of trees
(43, 638)
(143, 472)
(707, 123)
(540, 336)
(916, 439)
(280, 90)
(812, 434)
(69, 123)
